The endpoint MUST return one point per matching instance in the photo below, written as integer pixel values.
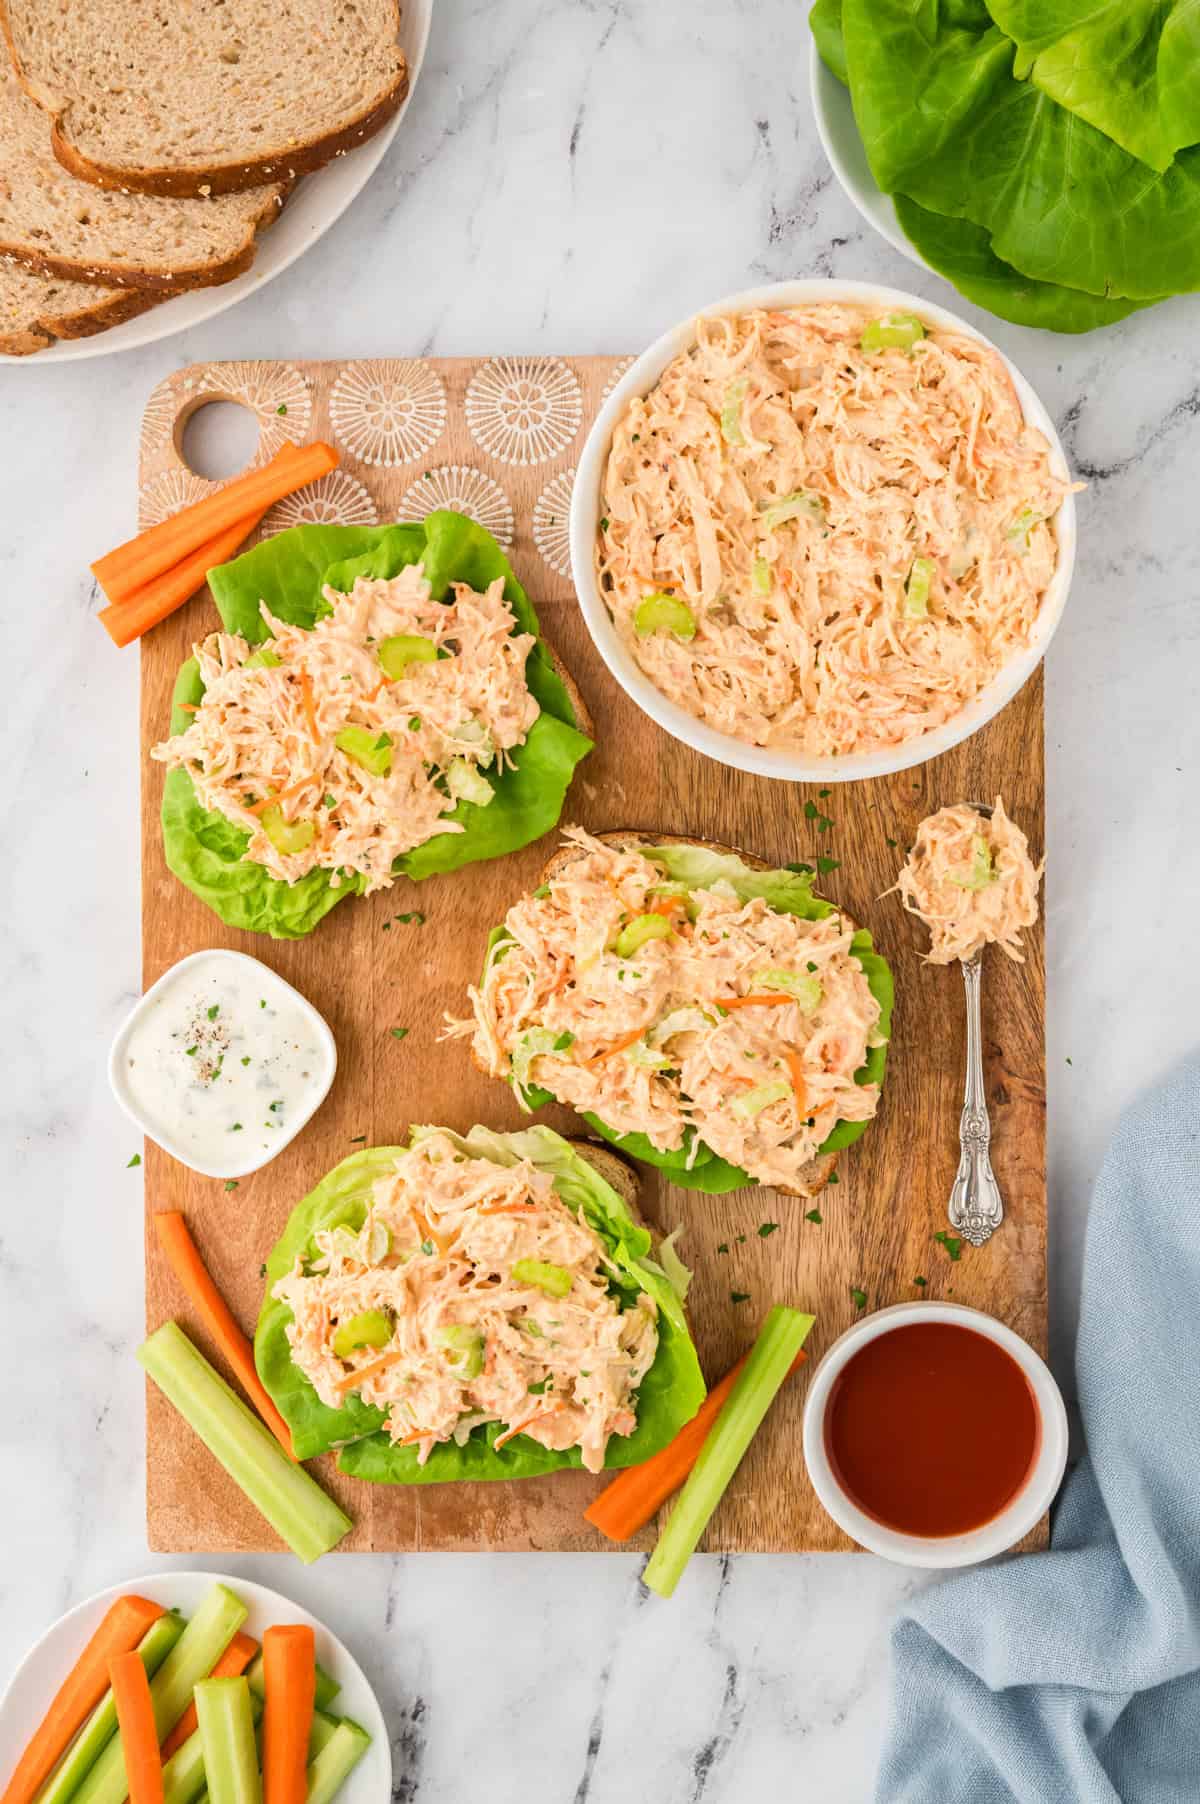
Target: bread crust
(583, 718)
(160, 285)
(285, 164)
(818, 1171)
(46, 329)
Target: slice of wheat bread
(52, 222)
(36, 311)
(816, 1174)
(207, 97)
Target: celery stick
(332, 1766)
(227, 1736)
(779, 1340)
(218, 1618)
(323, 1730)
(101, 1725)
(183, 1775)
(327, 1686)
(292, 1502)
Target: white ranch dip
(222, 1063)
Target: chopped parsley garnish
(357, 1139)
(859, 1296)
(214, 1011)
(741, 1240)
(191, 1051)
(893, 842)
(246, 1060)
(236, 1128)
(739, 1296)
(724, 1247)
(921, 1281)
(604, 524)
(1069, 1061)
(822, 793)
(832, 1178)
(766, 1227)
(539, 1389)
(952, 1244)
(413, 917)
(828, 864)
(398, 1033)
(815, 1215)
(811, 966)
(331, 801)
(800, 869)
(427, 1248)
(282, 408)
(136, 1160)
(387, 927)
(262, 1004)
(414, 725)
(275, 1107)
(262, 1271)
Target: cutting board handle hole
(218, 438)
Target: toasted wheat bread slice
(583, 718)
(57, 225)
(816, 1174)
(210, 97)
(37, 311)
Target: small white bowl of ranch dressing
(222, 1063)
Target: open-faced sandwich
(379, 703)
(703, 1012)
(474, 1307)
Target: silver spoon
(976, 1206)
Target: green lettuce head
(670, 1393)
(696, 1166)
(290, 573)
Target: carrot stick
(353, 1379)
(775, 1000)
(606, 1052)
(639, 1492)
(150, 554)
(540, 1415)
(123, 1626)
(234, 1660)
(284, 795)
(310, 710)
(189, 1268)
(125, 621)
(795, 1065)
(139, 1734)
(290, 1675)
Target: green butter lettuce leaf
(290, 573)
(671, 1392)
(1131, 68)
(698, 1167)
(963, 253)
(945, 120)
(825, 23)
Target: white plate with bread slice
(151, 178)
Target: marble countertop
(570, 176)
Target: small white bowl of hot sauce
(934, 1435)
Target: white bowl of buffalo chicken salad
(822, 531)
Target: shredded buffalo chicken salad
(827, 531)
(472, 1294)
(345, 746)
(971, 880)
(686, 1015)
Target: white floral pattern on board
(164, 495)
(523, 410)
(614, 376)
(389, 410)
(551, 515)
(338, 499)
(463, 491)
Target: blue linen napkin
(1073, 1676)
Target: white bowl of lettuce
(587, 511)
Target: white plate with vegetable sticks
(48, 1663)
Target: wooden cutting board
(498, 438)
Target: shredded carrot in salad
(495, 1302)
(814, 541)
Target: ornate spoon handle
(976, 1207)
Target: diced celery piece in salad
(916, 588)
(555, 1280)
(263, 659)
(227, 1736)
(663, 613)
(371, 751)
(219, 1615)
(1022, 526)
(292, 1502)
(762, 577)
(635, 933)
(335, 1762)
(403, 649)
(100, 1727)
(731, 411)
(752, 1102)
(982, 871)
(892, 332)
(466, 784)
(802, 985)
(288, 837)
(690, 1019)
(464, 1349)
(370, 1329)
(646, 1058)
(780, 1339)
(800, 503)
